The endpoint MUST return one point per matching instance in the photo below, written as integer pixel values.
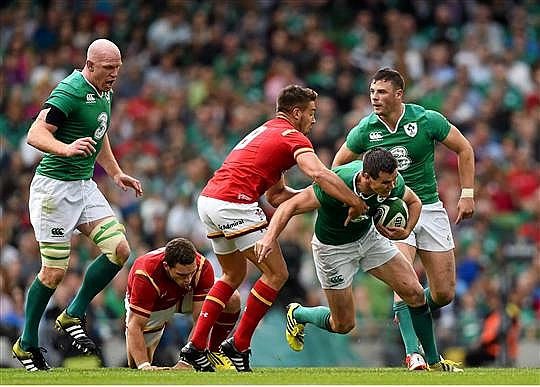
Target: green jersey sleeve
(439, 126)
(64, 100)
(356, 138)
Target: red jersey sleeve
(203, 280)
(295, 143)
(143, 295)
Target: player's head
(386, 91)
(298, 104)
(103, 60)
(179, 261)
(380, 169)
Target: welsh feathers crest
(411, 129)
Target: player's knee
(51, 276)
(413, 296)
(123, 251)
(54, 262)
(343, 326)
(234, 303)
(442, 297)
(110, 237)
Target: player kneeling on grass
(340, 249)
(172, 279)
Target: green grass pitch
(273, 376)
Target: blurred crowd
(198, 75)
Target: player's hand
(81, 147)
(356, 211)
(154, 368)
(124, 181)
(393, 233)
(263, 248)
(182, 366)
(465, 208)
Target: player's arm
(456, 142)
(280, 192)
(135, 340)
(330, 183)
(107, 160)
(304, 201)
(41, 135)
(344, 155)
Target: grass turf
(305, 376)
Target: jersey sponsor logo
(242, 196)
(57, 232)
(228, 226)
(90, 98)
(336, 280)
(411, 129)
(102, 128)
(375, 136)
(402, 156)
(360, 218)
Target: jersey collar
(90, 84)
(393, 130)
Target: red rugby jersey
(150, 289)
(257, 162)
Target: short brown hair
(377, 160)
(388, 74)
(294, 96)
(180, 251)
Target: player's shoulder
(366, 122)
(417, 112)
(74, 84)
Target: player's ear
(296, 113)
(90, 65)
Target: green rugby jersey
(88, 115)
(332, 213)
(412, 144)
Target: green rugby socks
(36, 301)
(99, 273)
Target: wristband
(467, 193)
(142, 365)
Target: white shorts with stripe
(57, 207)
(336, 266)
(231, 226)
(433, 231)
(153, 330)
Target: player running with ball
(340, 250)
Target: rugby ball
(393, 212)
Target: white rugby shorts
(57, 207)
(231, 226)
(336, 266)
(433, 231)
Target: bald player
(71, 130)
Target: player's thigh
(335, 266)
(55, 208)
(440, 267)
(409, 251)
(341, 304)
(399, 274)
